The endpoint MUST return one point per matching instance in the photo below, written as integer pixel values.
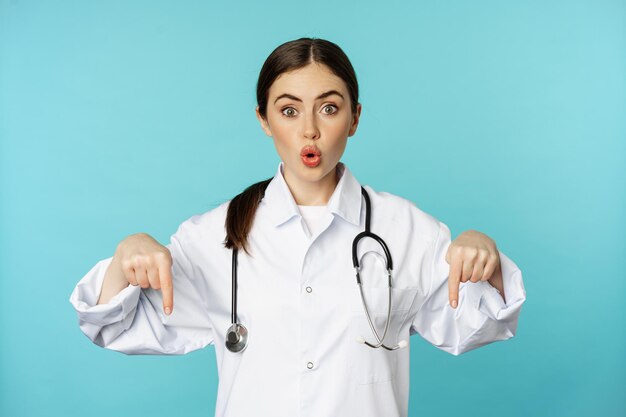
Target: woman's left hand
(472, 256)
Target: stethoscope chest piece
(236, 338)
(237, 334)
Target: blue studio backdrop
(508, 117)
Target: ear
(264, 125)
(355, 120)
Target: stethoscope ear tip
(360, 339)
(403, 344)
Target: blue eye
(289, 111)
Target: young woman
(296, 335)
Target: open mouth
(311, 156)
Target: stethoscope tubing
(237, 334)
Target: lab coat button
(309, 365)
(309, 289)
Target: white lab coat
(299, 300)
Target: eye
(289, 111)
(330, 109)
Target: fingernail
(453, 303)
(167, 311)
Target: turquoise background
(504, 116)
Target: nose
(310, 129)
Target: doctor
(296, 292)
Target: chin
(311, 174)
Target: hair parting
(287, 57)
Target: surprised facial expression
(309, 117)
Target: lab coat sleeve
(133, 322)
(481, 317)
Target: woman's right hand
(147, 263)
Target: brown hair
(287, 57)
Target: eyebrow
(323, 95)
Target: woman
(292, 236)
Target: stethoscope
(237, 334)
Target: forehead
(308, 81)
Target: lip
(311, 161)
(310, 149)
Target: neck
(312, 193)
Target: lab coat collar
(345, 200)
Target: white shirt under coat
(299, 299)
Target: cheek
(338, 129)
(280, 129)
(282, 141)
(281, 137)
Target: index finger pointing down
(167, 288)
(454, 279)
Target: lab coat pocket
(374, 365)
